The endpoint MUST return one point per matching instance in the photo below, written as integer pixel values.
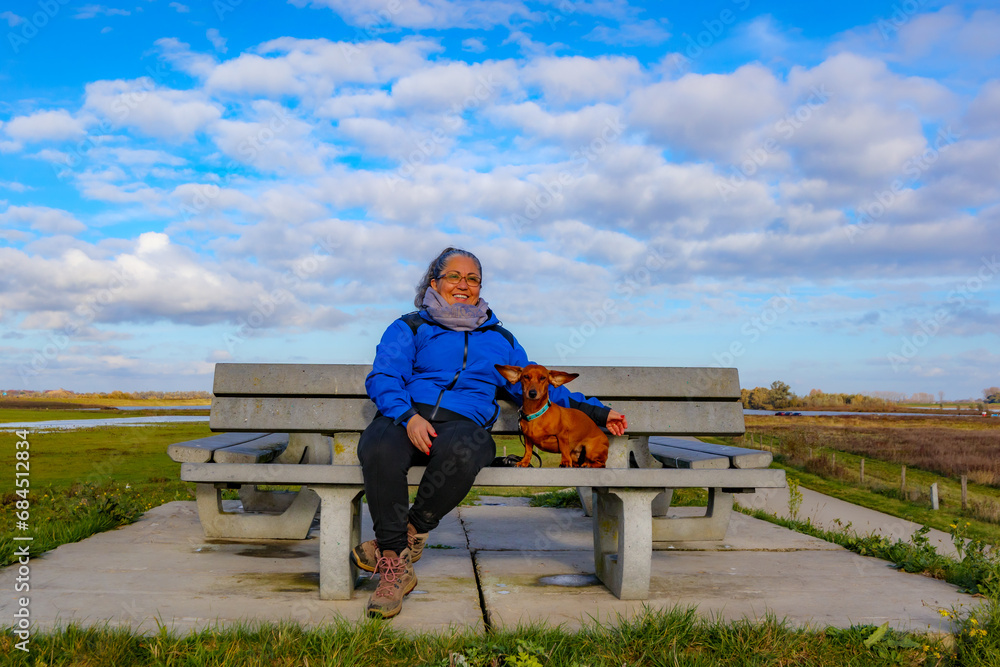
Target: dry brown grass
(951, 446)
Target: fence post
(902, 480)
(965, 492)
(934, 496)
(862, 471)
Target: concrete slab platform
(805, 588)
(532, 564)
(163, 570)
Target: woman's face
(461, 292)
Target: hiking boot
(365, 555)
(396, 579)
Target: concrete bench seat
(230, 448)
(323, 409)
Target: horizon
(805, 193)
(901, 398)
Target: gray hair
(435, 269)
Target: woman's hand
(420, 432)
(617, 423)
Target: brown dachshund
(553, 428)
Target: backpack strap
(413, 320)
(503, 332)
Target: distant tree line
(146, 395)
(780, 397)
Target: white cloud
(174, 115)
(15, 186)
(11, 18)
(473, 45)
(144, 156)
(98, 187)
(360, 104)
(948, 29)
(42, 219)
(273, 141)
(859, 143)
(217, 40)
(377, 15)
(709, 115)
(579, 80)
(55, 125)
(852, 79)
(151, 279)
(179, 8)
(378, 136)
(983, 116)
(639, 33)
(91, 11)
(453, 87)
(577, 129)
(317, 68)
(180, 55)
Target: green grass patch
(88, 481)
(674, 637)
(135, 455)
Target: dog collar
(536, 415)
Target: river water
(74, 424)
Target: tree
(992, 394)
(760, 399)
(780, 395)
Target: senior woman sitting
(435, 386)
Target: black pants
(461, 449)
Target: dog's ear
(559, 378)
(510, 373)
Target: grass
(950, 447)
(673, 637)
(798, 451)
(87, 481)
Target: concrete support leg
(292, 524)
(339, 532)
(712, 526)
(661, 504)
(312, 448)
(622, 517)
(256, 500)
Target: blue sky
(806, 192)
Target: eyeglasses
(455, 278)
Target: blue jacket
(433, 363)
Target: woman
(435, 386)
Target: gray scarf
(455, 316)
